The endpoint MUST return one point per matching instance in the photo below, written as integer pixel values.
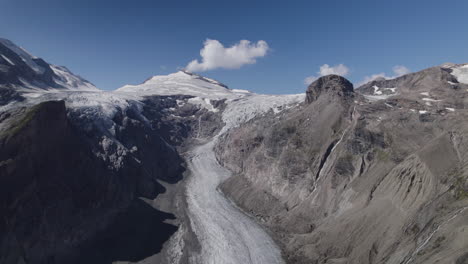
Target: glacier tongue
(225, 233)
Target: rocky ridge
(374, 178)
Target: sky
(275, 47)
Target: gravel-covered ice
(225, 233)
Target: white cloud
(214, 55)
(398, 71)
(325, 69)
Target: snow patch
(377, 97)
(240, 91)
(8, 60)
(424, 93)
(430, 100)
(461, 73)
(376, 90)
(450, 109)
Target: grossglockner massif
(183, 169)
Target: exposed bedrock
(340, 179)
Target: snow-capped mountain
(21, 70)
(183, 82)
(242, 105)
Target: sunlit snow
(8, 60)
(461, 73)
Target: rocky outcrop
(357, 181)
(330, 84)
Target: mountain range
(183, 169)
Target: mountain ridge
(20, 69)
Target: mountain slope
(351, 178)
(21, 70)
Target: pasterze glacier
(233, 132)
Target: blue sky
(113, 43)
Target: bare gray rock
(350, 179)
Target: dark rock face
(57, 198)
(7, 95)
(330, 84)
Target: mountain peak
(332, 83)
(181, 82)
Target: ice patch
(424, 93)
(450, 109)
(422, 111)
